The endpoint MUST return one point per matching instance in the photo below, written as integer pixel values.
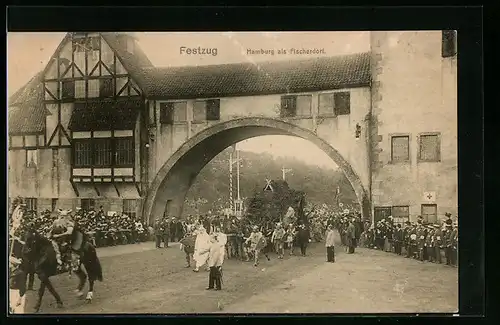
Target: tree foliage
(212, 184)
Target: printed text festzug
(198, 51)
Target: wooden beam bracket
(74, 188)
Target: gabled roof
(244, 79)
(26, 110)
(132, 63)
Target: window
(88, 204)
(448, 43)
(106, 87)
(129, 207)
(400, 151)
(326, 105)
(288, 106)
(213, 110)
(380, 213)
(125, 152)
(93, 88)
(429, 147)
(429, 213)
(82, 153)
(166, 113)
(31, 204)
(180, 112)
(68, 89)
(303, 105)
(31, 158)
(79, 89)
(400, 214)
(199, 111)
(54, 204)
(79, 44)
(102, 152)
(94, 44)
(342, 102)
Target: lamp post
(231, 162)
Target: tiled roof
(132, 63)
(105, 115)
(26, 111)
(262, 78)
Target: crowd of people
(436, 243)
(102, 229)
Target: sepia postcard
(232, 172)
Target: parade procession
(151, 183)
(206, 241)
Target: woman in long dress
(201, 247)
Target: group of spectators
(436, 243)
(101, 229)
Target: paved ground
(139, 279)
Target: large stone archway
(176, 176)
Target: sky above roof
(28, 53)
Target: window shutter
(213, 110)
(342, 103)
(288, 106)
(166, 113)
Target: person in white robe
(201, 247)
(222, 240)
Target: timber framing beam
(116, 188)
(138, 188)
(74, 188)
(95, 188)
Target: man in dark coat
(448, 244)
(397, 239)
(303, 239)
(351, 236)
(158, 230)
(165, 232)
(179, 230)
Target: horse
(38, 250)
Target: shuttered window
(429, 213)
(400, 151)
(213, 110)
(199, 111)
(166, 113)
(342, 102)
(180, 112)
(326, 104)
(303, 105)
(429, 147)
(288, 106)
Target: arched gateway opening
(176, 176)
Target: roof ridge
(340, 56)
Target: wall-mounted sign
(429, 197)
